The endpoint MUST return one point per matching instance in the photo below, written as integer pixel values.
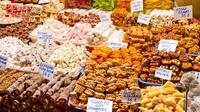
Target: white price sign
(117, 45)
(184, 12)
(3, 62)
(46, 70)
(136, 5)
(99, 105)
(197, 75)
(131, 97)
(44, 37)
(168, 45)
(163, 73)
(143, 19)
(105, 17)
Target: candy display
(139, 37)
(65, 63)
(191, 80)
(106, 5)
(106, 80)
(50, 95)
(31, 58)
(161, 17)
(79, 4)
(179, 64)
(20, 30)
(98, 58)
(167, 99)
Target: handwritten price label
(117, 45)
(44, 37)
(184, 12)
(99, 105)
(3, 62)
(136, 5)
(163, 73)
(46, 70)
(131, 97)
(105, 17)
(167, 45)
(143, 19)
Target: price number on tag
(117, 45)
(184, 12)
(46, 70)
(163, 73)
(143, 19)
(167, 45)
(3, 62)
(99, 105)
(136, 5)
(131, 97)
(105, 18)
(45, 37)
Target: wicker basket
(194, 3)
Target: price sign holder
(144, 19)
(163, 73)
(167, 45)
(3, 62)
(44, 37)
(184, 12)
(117, 45)
(99, 105)
(131, 97)
(46, 70)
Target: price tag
(46, 70)
(105, 17)
(197, 75)
(99, 105)
(3, 62)
(184, 12)
(117, 45)
(44, 37)
(136, 5)
(143, 19)
(168, 45)
(163, 73)
(131, 97)
(43, 1)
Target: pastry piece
(99, 95)
(89, 92)
(121, 83)
(79, 89)
(83, 97)
(90, 84)
(100, 88)
(110, 97)
(111, 87)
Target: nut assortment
(106, 80)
